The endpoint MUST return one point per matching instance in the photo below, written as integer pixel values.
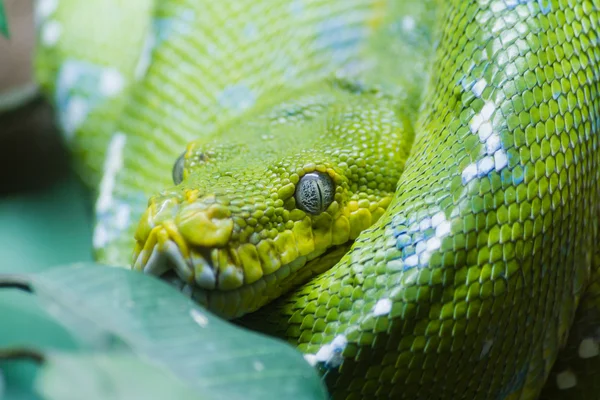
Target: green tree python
(407, 191)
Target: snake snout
(190, 240)
(205, 227)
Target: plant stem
(21, 353)
(15, 281)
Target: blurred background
(32, 153)
(45, 212)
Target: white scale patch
(122, 216)
(112, 217)
(110, 223)
(296, 7)
(496, 158)
(251, 31)
(311, 359)
(74, 114)
(425, 249)
(479, 87)
(111, 82)
(51, 32)
(101, 236)
(44, 9)
(237, 97)
(382, 307)
(145, 56)
(501, 5)
(81, 86)
(340, 39)
(408, 23)
(113, 163)
(330, 354)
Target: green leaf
(39, 229)
(3, 20)
(45, 229)
(157, 322)
(25, 323)
(116, 376)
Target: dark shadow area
(32, 153)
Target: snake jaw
(196, 246)
(165, 250)
(188, 238)
(211, 278)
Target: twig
(21, 353)
(15, 282)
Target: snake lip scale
(168, 256)
(167, 262)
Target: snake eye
(178, 169)
(314, 192)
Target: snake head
(272, 200)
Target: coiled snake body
(411, 185)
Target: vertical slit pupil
(320, 203)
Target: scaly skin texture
(87, 69)
(468, 285)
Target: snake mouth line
(167, 256)
(197, 277)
